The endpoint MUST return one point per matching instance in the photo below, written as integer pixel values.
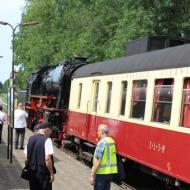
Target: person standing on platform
(20, 124)
(39, 153)
(105, 160)
(2, 121)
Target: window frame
(123, 93)
(79, 95)
(95, 95)
(108, 97)
(160, 106)
(138, 91)
(185, 107)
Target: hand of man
(52, 178)
(92, 180)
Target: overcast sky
(10, 11)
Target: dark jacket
(36, 153)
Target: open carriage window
(138, 99)
(185, 116)
(109, 92)
(95, 96)
(123, 97)
(79, 95)
(163, 95)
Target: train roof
(174, 57)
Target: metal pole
(12, 87)
(12, 83)
(9, 119)
(13, 93)
(11, 151)
(13, 75)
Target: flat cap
(44, 126)
(37, 127)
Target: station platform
(10, 172)
(71, 173)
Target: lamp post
(12, 85)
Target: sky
(10, 11)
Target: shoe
(21, 148)
(16, 147)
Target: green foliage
(5, 87)
(3, 97)
(97, 29)
(1, 86)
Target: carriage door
(92, 109)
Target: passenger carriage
(145, 101)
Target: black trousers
(19, 134)
(1, 129)
(39, 181)
(103, 181)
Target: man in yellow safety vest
(105, 160)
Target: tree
(5, 87)
(97, 29)
(1, 86)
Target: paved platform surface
(10, 173)
(71, 174)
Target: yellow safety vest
(109, 159)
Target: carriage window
(95, 96)
(163, 95)
(123, 97)
(185, 116)
(138, 99)
(79, 95)
(109, 91)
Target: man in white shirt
(39, 153)
(2, 121)
(20, 124)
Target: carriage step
(65, 142)
(89, 145)
(87, 156)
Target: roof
(168, 58)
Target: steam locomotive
(144, 98)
